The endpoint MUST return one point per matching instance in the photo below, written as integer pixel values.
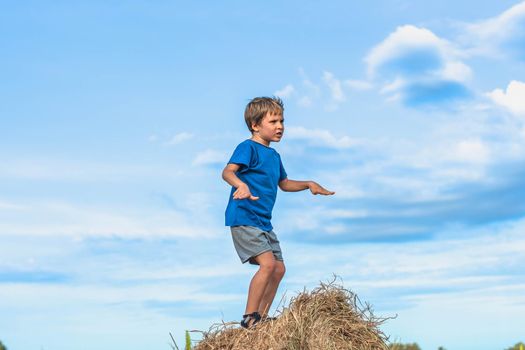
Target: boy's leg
(260, 280)
(271, 288)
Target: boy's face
(271, 128)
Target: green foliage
(399, 346)
(518, 346)
(188, 341)
(441, 348)
(2, 346)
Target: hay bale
(327, 318)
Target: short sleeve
(242, 155)
(282, 172)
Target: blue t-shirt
(262, 170)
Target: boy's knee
(268, 266)
(279, 270)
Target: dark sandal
(255, 316)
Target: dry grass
(327, 318)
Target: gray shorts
(250, 241)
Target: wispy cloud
(416, 272)
(52, 218)
(359, 85)
(458, 272)
(471, 151)
(328, 90)
(180, 138)
(310, 91)
(320, 137)
(285, 92)
(310, 86)
(210, 157)
(334, 85)
(400, 190)
(54, 169)
(499, 36)
(305, 101)
(398, 204)
(7, 205)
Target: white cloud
(313, 89)
(455, 157)
(393, 86)
(512, 99)
(417, 67)
(486, 37)
(331, 88)
(305, 101)
(474, 151)
(413, 267)
(180, 138)
(405, 39)
(346, 213)
(285, 92)
(320, 137)
(210, 156)
(60, 218)
(358, 84)
(41, 168)
(451, 154)
(336, 91)
(5, 205)
(456, 71)
(309, 92)
(446, 161)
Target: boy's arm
(242, 192)
(288, 185)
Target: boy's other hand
(315, 188)
(243, 192)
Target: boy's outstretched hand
(315, 188)
(243, 192)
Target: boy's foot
(250, 320)
(266, 318)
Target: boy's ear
(255, 127)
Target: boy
(254, 172)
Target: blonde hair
(257, 108)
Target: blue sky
(117, 118)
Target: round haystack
(327, 318)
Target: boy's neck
(260, 140)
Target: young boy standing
(254, 172)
